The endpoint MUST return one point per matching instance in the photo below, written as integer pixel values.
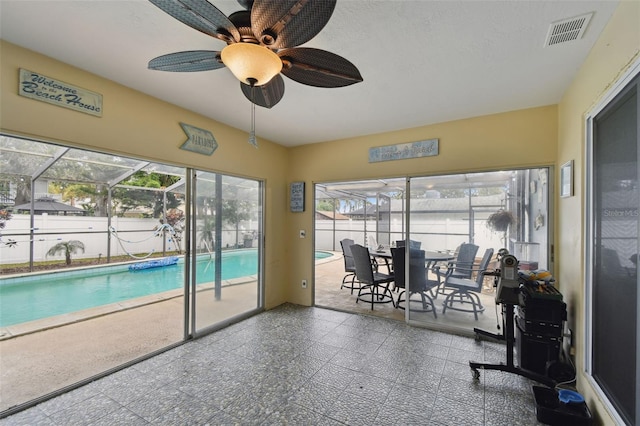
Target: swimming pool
(40, 296)
(322, 254)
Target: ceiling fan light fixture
(251, 62)
(262, 45)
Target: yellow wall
(617, 47)
(142, 126)
(525, 138)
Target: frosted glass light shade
(251, 61)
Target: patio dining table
(430, 257)
(433, 257)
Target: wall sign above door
(402, 151)
(46, 89)
(199, 140)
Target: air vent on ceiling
(567, 29)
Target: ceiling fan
(261, 44)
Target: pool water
(322, 254)
(40, 296)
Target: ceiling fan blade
(190, 61)
(201, 15)
(266, 95)
(319, 68)
(289, 23)
(247, 4)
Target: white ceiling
(423, 62)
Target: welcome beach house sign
(402, 151)
(46, 89)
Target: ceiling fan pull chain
(252, 133)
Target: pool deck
(42, 356)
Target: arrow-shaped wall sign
(198, 140)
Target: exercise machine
(507, 283)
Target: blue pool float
(155, 263)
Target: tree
(175, 219)
(234, 211)
(206, 231)
(469, 192)
(453, 193)
(133, 194)
(70, 192)
(68, 248)
(5, 215)
(325, 205)
(21, 184)
(16, 168)
(141, 189)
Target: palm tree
(68, 248)
(207, 230)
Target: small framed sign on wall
(566, 179)
(296, 191)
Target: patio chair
(374, 286)
(349, 280)
(465, 290)
(460, 267)
(418, 282)
(412, 244)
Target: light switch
(303, 233)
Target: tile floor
(303, 366)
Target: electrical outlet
(304, 283)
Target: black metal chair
(349, 280)
(464, 290)
(418, 281)
(374, 286)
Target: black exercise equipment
(509, 294)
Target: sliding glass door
(107, 259)
(461, 222)
(225, 260)
(434, 216)
(612, 252)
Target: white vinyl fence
(434, 234)
(135, 235)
